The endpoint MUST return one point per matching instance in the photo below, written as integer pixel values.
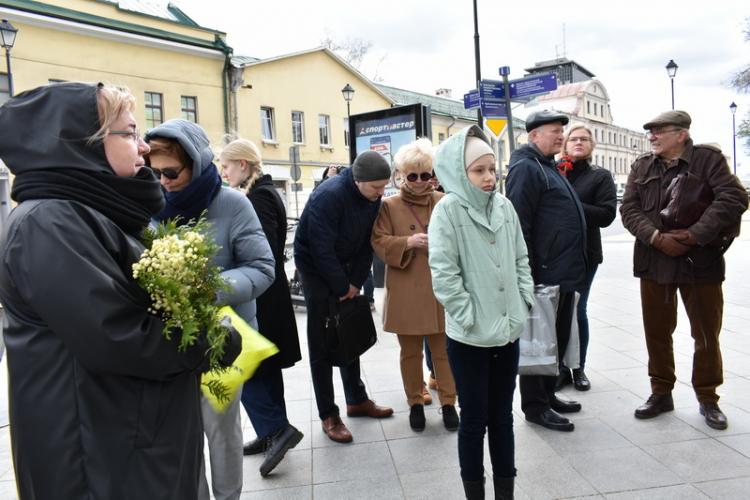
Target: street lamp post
(8, 35)
(672, 71)
(348, 93)
(733, 109)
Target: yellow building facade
(173, 67)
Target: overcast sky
(423, 45)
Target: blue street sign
(491, 90)
(533, 86)
(494, 109)
(471, 100)
(519, 89)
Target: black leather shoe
(280, 442)
(561, 406)
(416, 418)
(552, 420)
(715, 418)
(580, 380)
(450, 417)
(563, 379)
(655, 405)
(254, 447)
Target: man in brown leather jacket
(689, 259)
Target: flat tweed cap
(544, 117)
(677, 118)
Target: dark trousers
(485, 381)
(263, 399)
(428, 358)
(583, 318)
(317, 302)
(704, 304)
(538, 390)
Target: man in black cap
(676, 250)
(554, 228)
(333, 255)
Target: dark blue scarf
(189, 203)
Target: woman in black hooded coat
(101, 404)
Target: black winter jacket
(598, 195)
(102, 406)
(551, 218)
(333, 236)
(275, 315)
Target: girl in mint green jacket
(480, 273)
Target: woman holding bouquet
(101, 404)
(263, 394)
(183, 160)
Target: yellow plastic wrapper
(255, 348)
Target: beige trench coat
(410, 306)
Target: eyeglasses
(579, 139)
(424, 176)
(170, 173)
(134, 135)
(651, 135)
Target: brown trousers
(704, 305)
(411, 368)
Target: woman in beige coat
(399, 237)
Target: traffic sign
(519, 89)
(496, 126)
(295, 172)
(471, 100)
(533, 86)
(493, 109)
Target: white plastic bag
(538, 342)
(572, 357)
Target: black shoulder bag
(350, 330)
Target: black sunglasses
(425, 176)
(170, 173)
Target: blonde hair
(572, 129)
(111, 102)
(242, 149)
(418, 153)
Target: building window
(346, 132)
(267, 124)
(441, 137)
(154, 109)
(189, 108)
(588, 107)
(298, 127)
(324, 127)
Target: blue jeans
(263, 399)
(369, 288)
(583, 318)
(485, 381)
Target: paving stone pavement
(610, 455)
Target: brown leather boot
(368, 409)
(336, 430)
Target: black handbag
(350, 330)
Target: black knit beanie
(370, 166)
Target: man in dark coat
(688, 257)
(333, 254)
(101, 404)
(554, 228)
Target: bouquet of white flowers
(176, 271)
